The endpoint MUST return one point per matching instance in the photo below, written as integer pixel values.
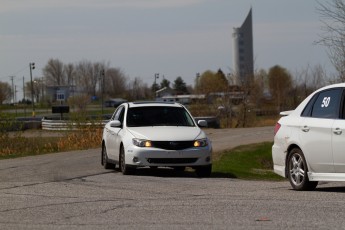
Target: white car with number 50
(155, 134)
(309, 142)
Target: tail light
(276, 128)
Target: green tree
(180, 86)
(210, 82)
(154, 87)
(165, 83)
(280, 84)
(5, 92)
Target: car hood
(167, 133)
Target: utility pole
(102, 85)
(12, 95)
(32, 66)
(15, 98)
(15, 93)
(155, 84)
(24, 100)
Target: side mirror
(115, 124)
(202, 123)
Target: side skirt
(326, 176)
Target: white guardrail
(69, 125)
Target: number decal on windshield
(325, 102)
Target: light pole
(155, 84)
(24, 100)
(32, 66)
(102, 86)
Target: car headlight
(200, 143)
(141, 142)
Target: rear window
(158, 116)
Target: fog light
(208, 159)
(135, 159)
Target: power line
(15, 73)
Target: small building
(58, 93)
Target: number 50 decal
(325, 102)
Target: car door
(338, 140)
(113, 139)
(316, 131)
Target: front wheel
(105, 160)
(125, 169)
(298, 171)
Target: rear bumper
(278, 157)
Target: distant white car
(309, 142)
(155, 134)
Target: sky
(143, 37)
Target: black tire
(125, 169)
(297, 171)
(105, 160)
(203, 171)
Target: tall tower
(243, 61)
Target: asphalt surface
(71, 190)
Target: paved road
(71, 191)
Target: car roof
(338, 85)
(153, 103)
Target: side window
(121, 115)
(117, 114)
(307, 110)
(327, 104)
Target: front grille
(171, 160)
(173, 145)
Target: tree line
(277, 84)
(285, 89)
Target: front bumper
(141, 157)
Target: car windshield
(158, 116)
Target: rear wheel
(203, 171)
(125, 169)
(298, 171)
(105, 160)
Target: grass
(252, 162)
(20, 146)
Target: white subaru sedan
(309, 142)
(155, 134)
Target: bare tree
(115, 82)
(69, 72)
(83, 72)
(54, 72)
(5, 91)
(138, 90)
(333, 19)
(88, 76)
